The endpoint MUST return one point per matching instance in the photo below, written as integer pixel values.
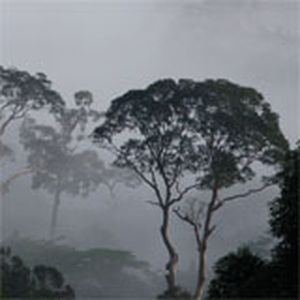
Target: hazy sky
(109, 47)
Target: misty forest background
(73, 223)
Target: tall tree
(156, 147)
(100, 273)
(235, 129)
(61, 164)
(213, 131)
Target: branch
(132, 165)
(156, 189)
(8, 103)
(184, 217)
(152, 184)
(196, 225)
(182, 193)
(246, 194)
(177, 171)
(4, 186)
(153, 203)
(211, 230)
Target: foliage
(56, 162)
(232, 274)
(278, 277)
(92, 272)
(59, 158)
(20, 281)
(215, 130)
(54, 154)
(21, 92)
(182, 123)
(284, 212)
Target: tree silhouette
(20, 94)
(20, 281)
(235, 129)
(214, 130)
(284, 226)
(157, 149)
(230, 279)
(93, 272)
(277, 277)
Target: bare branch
(184, 217)
(246, 194)
(133, 166)
(4, 187)
(154, 203)
(182, 193)
(188, 218)
(150, 182)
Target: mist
(111, 47)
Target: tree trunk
(173, 256)
(202, 245)
(54, 214)
(199, 292)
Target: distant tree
(20, 281)
(95, 272)
(212, 131)
(60, 162)
(112, 177)
(277, 277)
(60, 159)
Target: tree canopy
(284, 213)
(278, 276)
(213, 131)
(20, 281)
(180, 122)
(59, 163)
(21, 92)
(93, 272)
(232, 274)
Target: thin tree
(236, 129)
(60, 162)
(212, 131)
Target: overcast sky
(109, 47)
